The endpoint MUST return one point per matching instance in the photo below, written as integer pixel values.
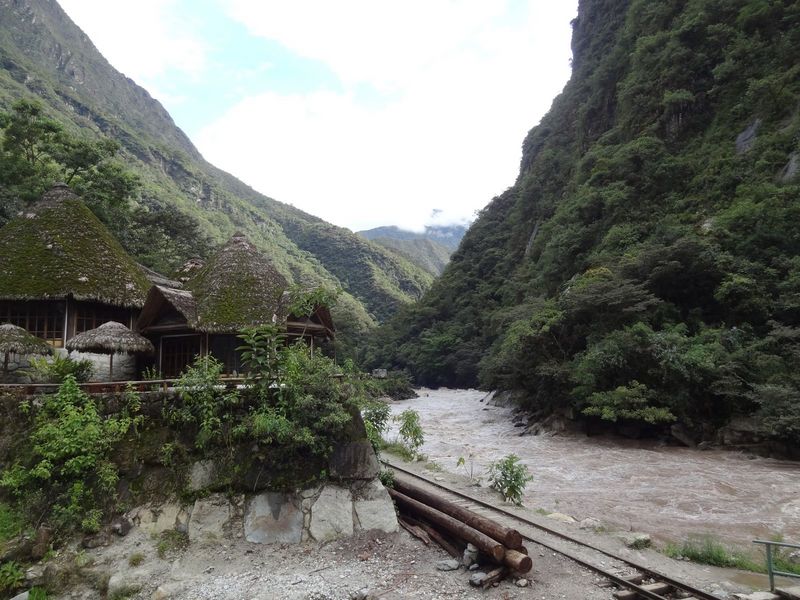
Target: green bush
(66, 474)
(376, 421)
(203, 403)
(411, 433)
(509, 477)
(57, 368)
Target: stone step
(792, 593)
(656, 588)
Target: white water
(669, 492)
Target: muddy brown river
(672, 493)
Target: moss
(238, 287)
(64, 250)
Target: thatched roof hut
(111, 338)
(238, 287)
(16, 340)
(60, 249)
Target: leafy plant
(386, 477)
(509, 477)
(67, 472)
(376, 421)
(204, 404)
(11, 577)
(56, 369)
(469, 469)
(411, 433)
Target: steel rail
(699, 594)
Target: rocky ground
(368, 565)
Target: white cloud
(467, 82)
(145, 39)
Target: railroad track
(626, 574)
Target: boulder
(374, 508)
(448, 565)
(126, 583)
(209, 518)
(332, 514)
(272, 518)
(41, 543)
(156, 519)
(202, 475)
(561, 517)
(590, 523)
(635, 540)
(169, 590)
(353, 460)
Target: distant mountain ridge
(45, 56)
(448, 236)
(429, 250)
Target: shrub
(376, 422)
(386, 477)
(509, 477)
(57, 368)
(411, 434)
(67, 472)
(203, 403)
(171, 541)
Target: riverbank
(671, 493)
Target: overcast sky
(362, 112)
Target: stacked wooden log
(432, 518)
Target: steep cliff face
(45, 56)
(643, 266)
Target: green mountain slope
(425, 253)
(646, 264)
(43, 55)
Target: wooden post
(510, 538)
(480, 540)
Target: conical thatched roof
(59, 248)
(111, 338)
(238, 287)
(16, 340)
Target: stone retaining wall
(320, 514)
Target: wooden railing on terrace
(111, 387)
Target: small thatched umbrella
(111, 338)
(16, 340)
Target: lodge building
(63, 273)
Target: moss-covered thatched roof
(59, 248)
(238, 287)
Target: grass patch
(171, 541)
(708, 551)
(11, 524)
(134, 560)
(434, 466)
(398, 449)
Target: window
(177, 352)
(44, 320)
(91, 317)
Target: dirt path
(671, 493)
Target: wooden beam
(483, 542)
(510, 538)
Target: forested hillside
(170, 203)
(645, 266)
